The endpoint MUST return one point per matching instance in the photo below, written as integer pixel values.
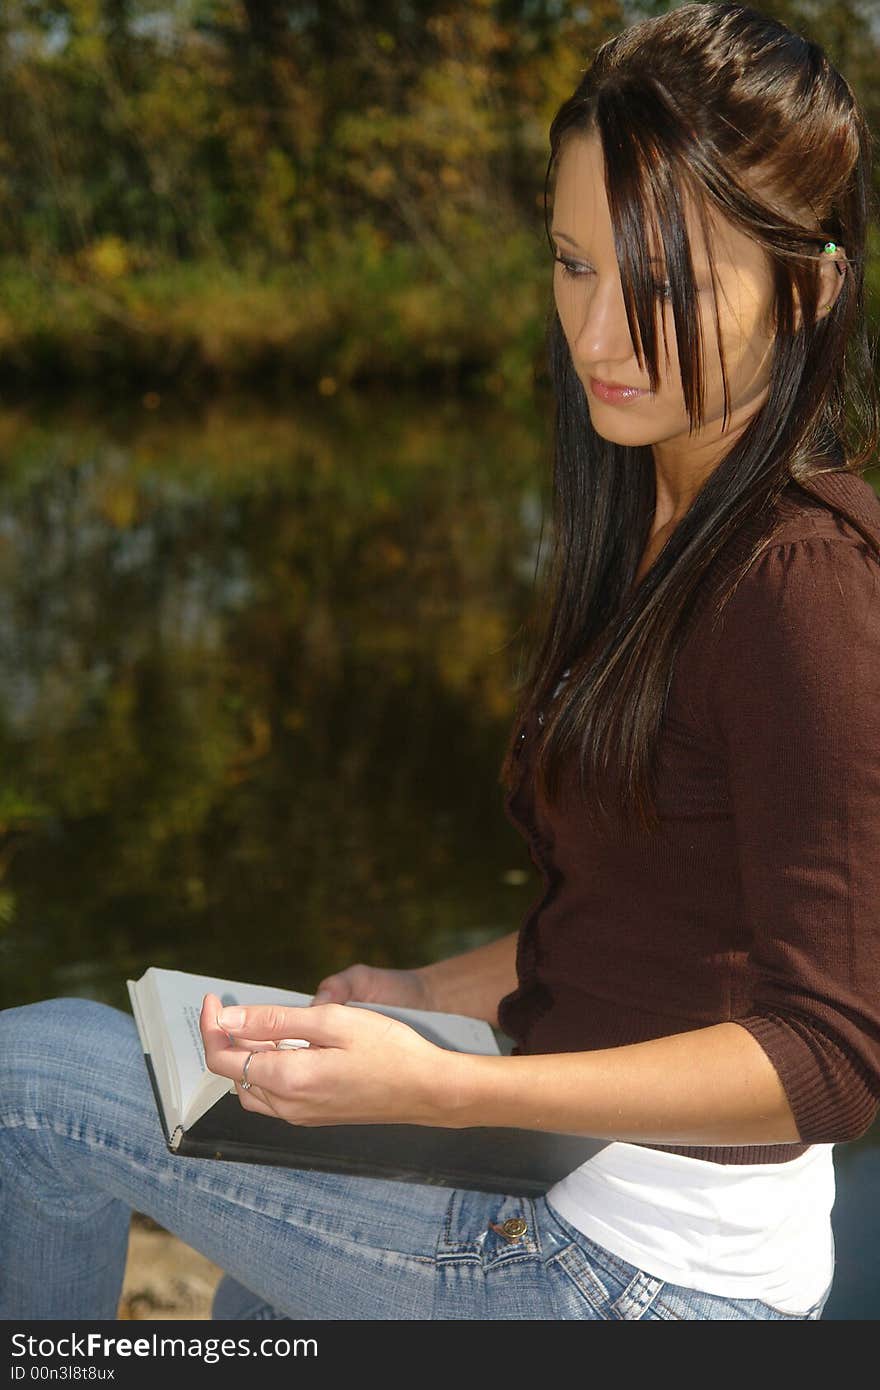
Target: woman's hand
(370, 984)
(472, 983)
(360, 1067)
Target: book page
(177, 998)
(457, 1032)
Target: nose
(601, 331)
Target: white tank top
(758, 1230)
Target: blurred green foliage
(244, 190)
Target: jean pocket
(581, 1291)
(812, 1314)
(676, 1302)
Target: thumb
(335, 989)
(330, 1026)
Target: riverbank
(368, 311)
(164, 1278)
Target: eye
(576, 270)
(573, 269)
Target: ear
(832, 273)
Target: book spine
(231, 1151)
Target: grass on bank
(356, 311)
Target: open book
(203, 1118)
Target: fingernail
(322, 997)
(230, 1018)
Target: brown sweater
(759, 899)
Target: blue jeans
(81, 1147)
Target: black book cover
(515, 1162)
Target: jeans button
(512, 1229)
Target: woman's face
(589, 300)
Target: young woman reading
(695, 764)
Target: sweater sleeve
(794, 698)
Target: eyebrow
(563, 236)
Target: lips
(614, 391)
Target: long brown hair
(714, 100)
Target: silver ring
(244, 1083)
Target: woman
(696, 765)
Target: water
(855, 1220)
(256, 681)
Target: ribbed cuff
(828, 1088)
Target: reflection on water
(256, 679)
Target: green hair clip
(830, 249)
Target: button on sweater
(758, 901)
